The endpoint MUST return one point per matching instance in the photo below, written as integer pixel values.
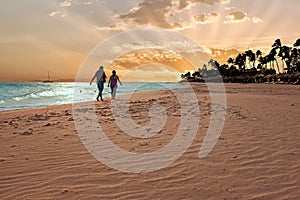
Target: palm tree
(211, 63)
(297, 43)
(188, 75)
(251, 57)
(277, 44)
(196, 74)
(284, 54)
(230, 61)
(203, 71)
(263, 62)
(258, 54)
(217, 65)
(294, 58)
(240, 61)
(272, 58)
(224, 70)
(296, 55)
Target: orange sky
(61, 36)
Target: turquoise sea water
(23, 95)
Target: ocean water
(23, 95)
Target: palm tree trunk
(282, 65)
(277, 65)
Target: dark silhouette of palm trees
(212, 64)
(272, 58)
(297, 43)
(251, 57)
(236, 70)
(296, 56)
(196, 74)
(295, 60)
(258, 55)
(285, 56)
(263, 61)
(273, 53)
(232, 70)
(277, 44)
(230, 61)
(240, 61)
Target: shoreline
(120, 95)
(73, 91)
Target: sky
(144, 40)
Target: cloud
(158, 14)
(206, 18)
(236, 17)
(182, 4)
(149, 12)
(87, 3)
(256, 20)
(148, 56)
(229, 8)
(65, 4)
(239, 16)
(222, 55)
(150, 72)
(56, 13)
(120, 26)
(53, 13)
(210, 2)
(225, 1)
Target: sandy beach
(256, 156)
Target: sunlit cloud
(228, 8)
(87, 3)
(176, 46)
(65, 4)
(210, 2)
(236, 17)
(53, 13)
(151, 72)
(149, 12)
(120, 26)
(169, 14)
(207, 18)
(222, 55)
(256, 20)
(150, 56)
(225, 1)
(239, 16)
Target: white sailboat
(49, 80)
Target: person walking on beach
(101, 79)
(113, 83)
